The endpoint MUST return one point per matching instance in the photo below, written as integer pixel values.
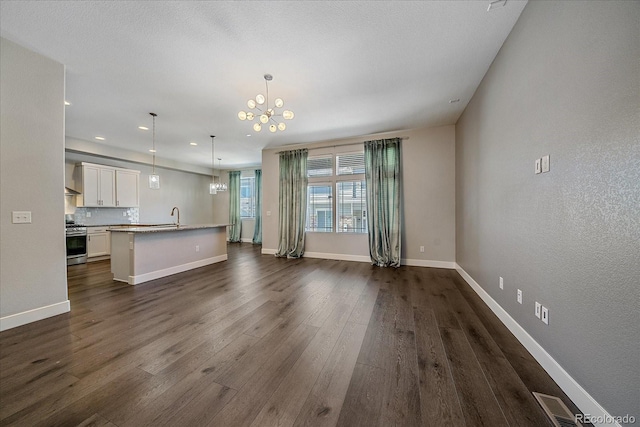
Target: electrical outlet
(197, 248)
(545, 315)
(124, 213)
(21, 217)
(88, 214)
(519, 297)
(538, 166)
(268, 213)
(538, 305)
(501, 283)
(422, 249)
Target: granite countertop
(161, 228)
(118, 225)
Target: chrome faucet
(175, 208)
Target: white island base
(141, 254)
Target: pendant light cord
(154, 142)
(212, 157)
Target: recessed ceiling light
(152, 150)
(143, 128)
(248, 134)
(67, 103)
(100, 138)
(453, 101)
(193, 143)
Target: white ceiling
(345, 68)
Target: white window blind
(350, 164)
(320, 166)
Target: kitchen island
(143, 253)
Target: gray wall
(186, 190)
(428, 180)
(565, 83)
(32, 256)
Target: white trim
(98, 258)
(141, 278)
(33, 315)
(267, 251)
(428, 263)
(246, 240)
(576, 393)
(339, 257)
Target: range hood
(70, 192)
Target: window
(320, 166)
(351, 206)
(348, 209)
(319, 208)
(247, 197)
(350, 164)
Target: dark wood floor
(262, 341)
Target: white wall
(428, 181)
(33, 271)
(565, 83)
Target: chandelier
(214, 187)
(266, 114)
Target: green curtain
(382, 173)
(234, 207)
(257, 231)
(292, 208)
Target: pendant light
(212, 185)
(154, 179)
(220, 186)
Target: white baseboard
(579, 396)
(366, 258)
(247, 240)
(141, 278)
(428, 263)
(338, 257)
(322, 255)
(98, 258)
(19, 319)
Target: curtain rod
(340, 145)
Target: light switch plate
(537, 311)
(545, 315)
(545, 164)
(538, 166)
(519, 296)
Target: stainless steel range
(76, 244)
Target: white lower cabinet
(98, 242)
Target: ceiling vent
(557, 411)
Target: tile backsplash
(107, 216)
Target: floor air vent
(557, 411)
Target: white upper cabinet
(106, 186)
(127, 188)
